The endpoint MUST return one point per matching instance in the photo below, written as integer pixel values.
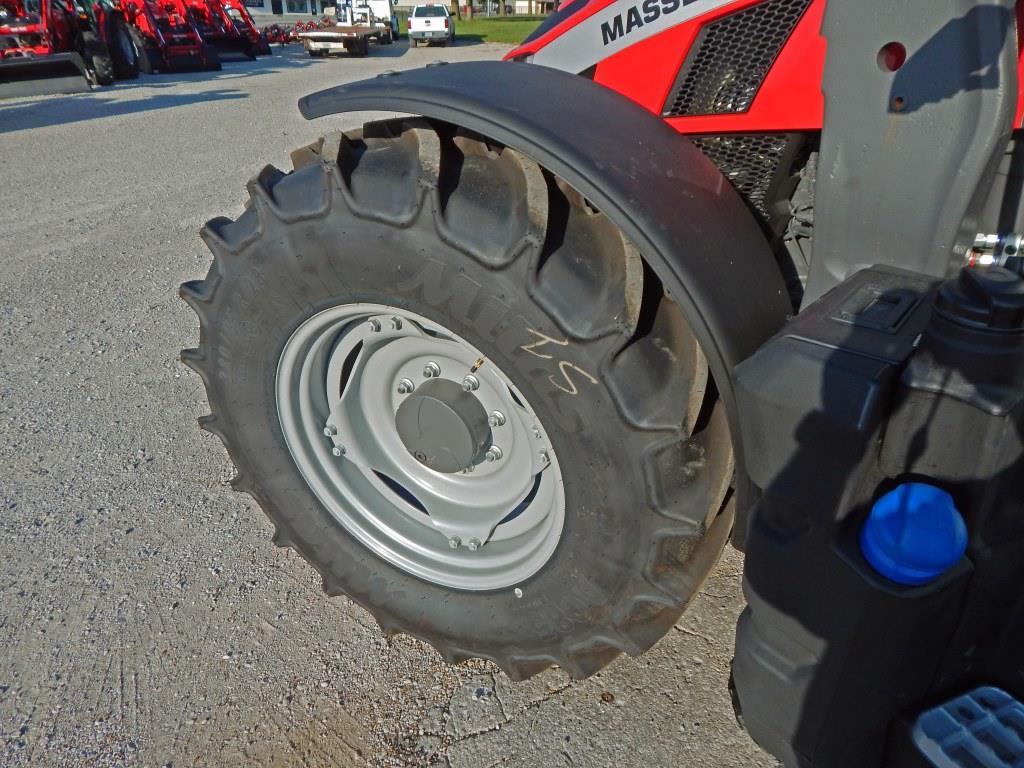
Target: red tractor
(217, 26)
(244, 23)
(511, 371)
(58, 46)
(166, 38)
(275, 33)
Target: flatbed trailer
(334, 39)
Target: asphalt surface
(145, 618)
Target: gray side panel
(668, 198)
(899, 182)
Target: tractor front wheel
(149, 56)
(458, 391)
(124, 53)
(97, 58)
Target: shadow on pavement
(21, 116)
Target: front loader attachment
(231, 47)
(42, 75)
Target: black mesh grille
(731, 57)
(749, 161)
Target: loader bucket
(184, 62)
(232, 46)
(40, 75)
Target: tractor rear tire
(477, 238)
(124, 52)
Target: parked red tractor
(217, 27)
(166, 39)
(245, 25)
(57, 46)
(275, 33)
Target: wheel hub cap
(443, 426)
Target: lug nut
(454, 542)
(431, 370)
(405, 386)
(543, 456)
(493, 453)
(330, 430)
(338, 451)
(470, 383)
(496, 419)
(473, 544)
(396, 323)
(374, 324)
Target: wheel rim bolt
(338, 451)
(470, 383)
(431, 370)
(454, 542)
(543, 456)
(496, 419)
(396, 323)
(374, 325)
(493, 453)
(330, 430)
(473, 544)
(405, 386)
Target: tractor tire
(124, 52)
(471, 239)
(149, 56)
(211, 58)
(97, 58)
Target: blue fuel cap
(914, 534)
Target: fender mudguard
(686, 219)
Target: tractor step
(42, 75)
(983, 728)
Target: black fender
(687, 220)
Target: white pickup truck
(431, 24)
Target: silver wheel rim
(340, 380)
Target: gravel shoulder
(145, 618)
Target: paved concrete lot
(145, 618)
